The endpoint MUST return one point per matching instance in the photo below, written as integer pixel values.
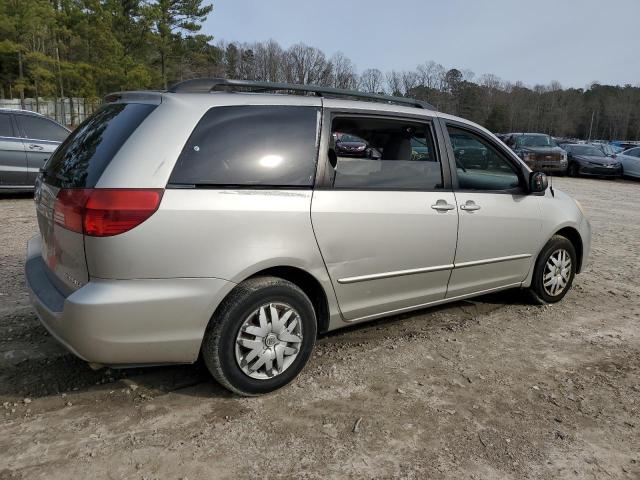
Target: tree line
(87, 48)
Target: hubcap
(557, 272)
(269, 341)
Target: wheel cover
(269, 341)
(557, 272)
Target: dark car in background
(587, 159)
(539, 151)
(27, 140)
(348, 145)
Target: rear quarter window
(84, 155)
(262, 145)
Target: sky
(575, 42)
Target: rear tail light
(105, 212)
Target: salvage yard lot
(489, 388)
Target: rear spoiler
(150, 96)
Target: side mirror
(538, 182)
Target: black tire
(539, 293)
(574, 170)
(219, 343)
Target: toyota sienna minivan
(210, 220)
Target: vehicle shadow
(58, 371)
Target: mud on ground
(489, 388)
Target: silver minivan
(213, 221)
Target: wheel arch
(572, 234)
(309, 284)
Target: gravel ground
(490, 388)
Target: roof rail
(206, 85)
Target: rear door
(500, 227)
(76, 165)
(385, 220)
(41, 137)
(13, 158)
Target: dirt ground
(489, 388)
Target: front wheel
(554, 271)
(261, 336)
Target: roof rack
(206, 85)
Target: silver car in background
(630, 160)
(198, 222)
(27, 140)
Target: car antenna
(553, 194)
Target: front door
(500, 225)
(386, 220)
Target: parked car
(630, 160)
(27, 139)
(181, 224)
(350, 145)
(539, 151)
(591, 160)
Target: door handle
(470, 206)
(35, 147)
(442, 206)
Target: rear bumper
(125, 322)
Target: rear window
(82, 158)
(262, 145)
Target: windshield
(535, 141)
(586, 150)
(607, 149)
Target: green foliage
(497, 120)
(91, 47)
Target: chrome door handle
(470, 206)
(443, 206)
(35, 147)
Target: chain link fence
(67, 111)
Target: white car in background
(630, 160)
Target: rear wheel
(554, 270)
(261, 336)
